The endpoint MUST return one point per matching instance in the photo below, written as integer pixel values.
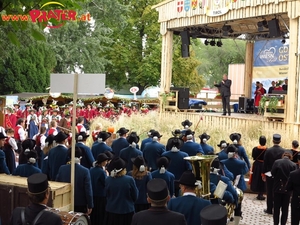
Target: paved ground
(253, 212)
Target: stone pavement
(253, 212)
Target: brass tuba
(201, 168)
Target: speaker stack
(185, 44)
(274, 29)
(183, 97)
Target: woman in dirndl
(121, 194)
(257, 184)
(98, 176)
(32, 123)
(141, 177)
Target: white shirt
(2, 130)
(21, 133)
(42, 140)
(12, 143)
(82, 128)
(34, 117)
(189, 193)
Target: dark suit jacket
(87, 157)
(190, 206)
(152, 151)
(158, 216)
(224, 88)
(191, 148)
(98, 148)
(294, 185)
(31, 212)
(57, 157)
(118, 145)
(271, 155)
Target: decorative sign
(134, 90)
(180, 6)
(54, 94)
(109, 93)
(194, 4)
(218, 11)
(187, 5)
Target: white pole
(73, 140)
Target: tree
(215, 60)
(25, 68)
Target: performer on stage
(224, 87)
(38, 193)
(260, 91)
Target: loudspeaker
(242, 104)
(185, 37)
(185, 51)
(274, 29)
(183, 103)
(182, 92)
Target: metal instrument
(201, 168)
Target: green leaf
(13, 38)
(37, 35)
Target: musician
(205, 147)
(3, 166)
(87, 157)
(153, 151)
(19, 133)
(80, 127)
(32, 123)
(101, 146)
(10, 118)
(158, 214)
(30, 168)
(236, 140)
(53, 128)
(239, 169)
(219, 218)
(176, 135)
(295, 151)
(10, 148)
(190, 147)
(222, 154)
(147, 140)
(83, 187)
(189, 204)
(120, 143)
(40, 139)
(18, 111)
(55, 115)
(163, 173)
(44, 118)
(131, 151)
(65, 123)
(38, 193)
(98, 129)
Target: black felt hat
(49, 139)
(150, 132)
(176, 133)
(61, 136)
(189, 132)
(204, 135)
(102, 157)
(235, 136)
(109, 154)
(117, 163)
(156, 134)
(133, 137)
(82, 136)
(123, 131)
(216, 163)
(213, 215)
(2, 136)
(295, 143)
(104, 135)
(28, 144)
(231, 148)
(187, 179)
(138, 161)
(186, 123)
(157, 189)
(175, 142)
(162, 161)
(276, 137)
(222, 142)
(37, 183)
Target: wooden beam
(293, 72)
(248, 69)
(166, 61)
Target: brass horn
(201, 168)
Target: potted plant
(262, 104)
(167, 96)
(273, 103)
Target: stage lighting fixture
(227, 29)
(261, 25)
(283, 41)
(212, 42)
(206, 42)
(219, 43)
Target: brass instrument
(231, 206)
(201, 168)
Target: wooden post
(166, 61)
(293, 73)
(248, 69)
(73, 141)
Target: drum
(72, 218)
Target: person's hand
(89, 211)
(223, 81)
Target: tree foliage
(215, 60)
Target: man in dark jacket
(38, 193)
(225, 92)
(294, 185)
(271, 155)
(281, 172)
(158, 214)
(121, 142)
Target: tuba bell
(201, 168)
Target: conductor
(224, 87)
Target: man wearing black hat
(271, 155)
(120, 143)
(294, 185)
(58, 155)
(36, 213)
(158, 214)
(208, 149)
(190, 147)
(189, 205)
(147, 140)
(3, 165)
(87, 157)
(100, 145)
(176, 136)
(153, 150)
(224, 87)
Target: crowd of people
(113, 183)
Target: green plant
(165, 96)
(273, 101)
(262, 104)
